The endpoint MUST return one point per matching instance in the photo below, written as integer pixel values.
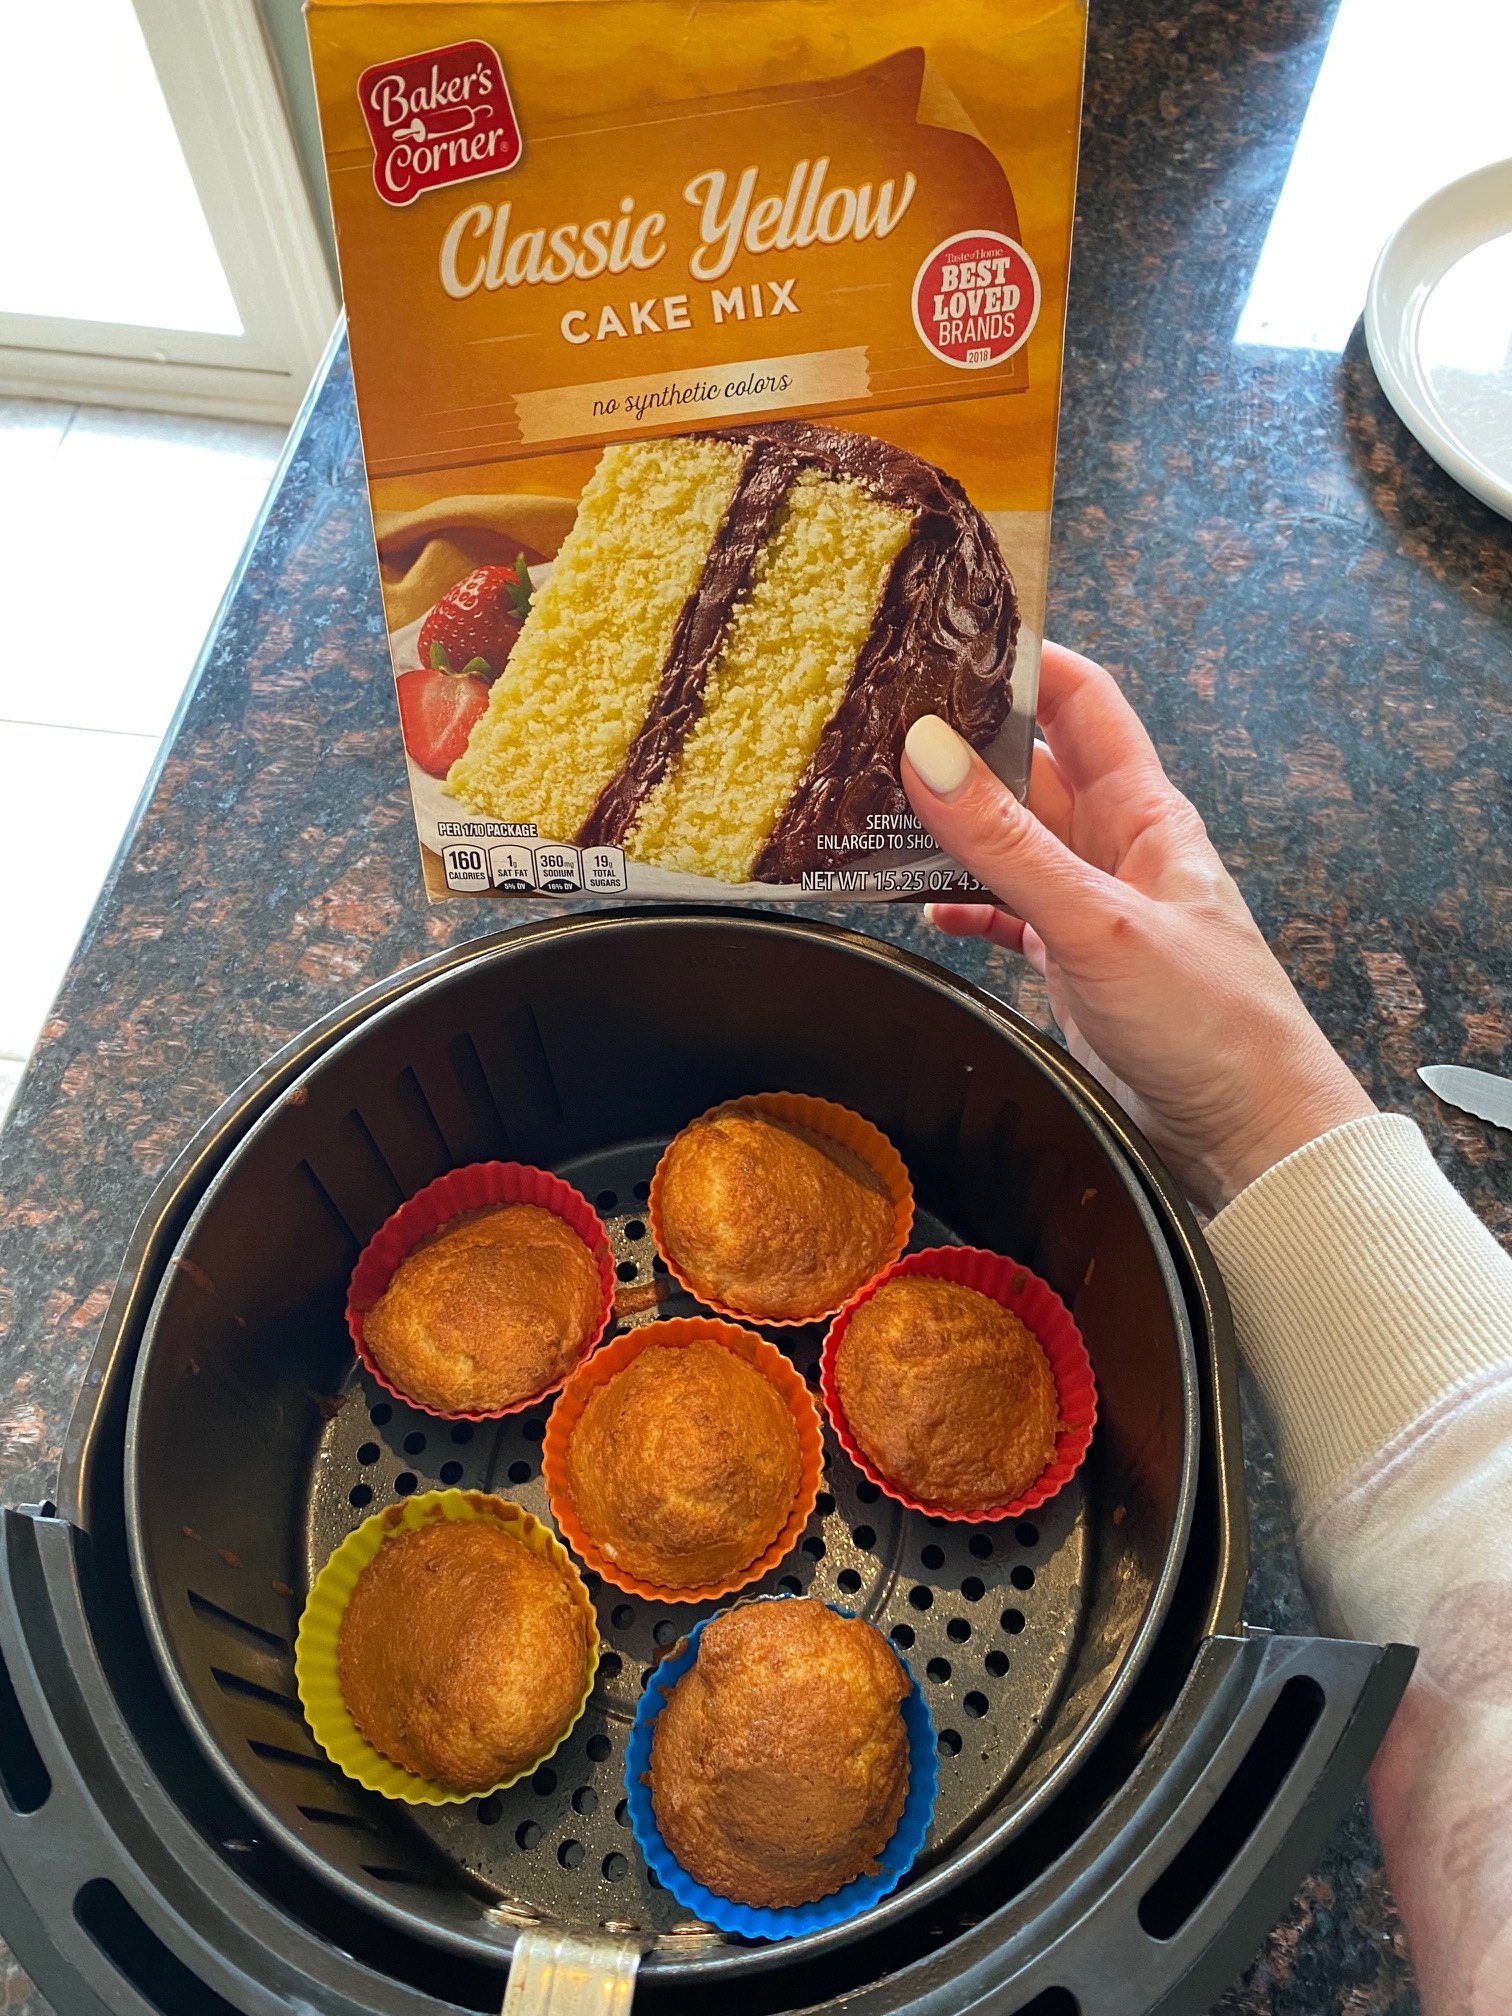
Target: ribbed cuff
(1364, 1289)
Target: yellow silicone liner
(820, 1116)
(315, 1671)
(671, 1334)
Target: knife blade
(1483, 1093)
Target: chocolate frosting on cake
(943, 643)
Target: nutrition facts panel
(542, 868)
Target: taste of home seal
(975, 299)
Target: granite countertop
(1314, 621)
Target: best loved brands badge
(975, 299)
(439, 117)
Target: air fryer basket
(255, 1445)
(1097, 1709)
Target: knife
(1482, 1093)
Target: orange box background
(1014, 66)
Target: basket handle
(1167, 1896)
(561, 1974)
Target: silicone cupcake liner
(472, 1188)
(760, 1922)
(614, 1357)
(315, 1644)
(820, 1116)
(1043, 1312)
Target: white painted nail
(939, 755)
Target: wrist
(1306, 1106)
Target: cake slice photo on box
(734, 638)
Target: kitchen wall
(283, 21)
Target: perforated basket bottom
(987, 1616)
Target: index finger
(1092, 730)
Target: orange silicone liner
(820, 1116)
(1042, 1311)
(474, 1187)
(671, 1333)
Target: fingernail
(939, 755)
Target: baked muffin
(496, 1306)
(779, 1767)
(462, 1655)
(947, 1393)
(684, 1466)
(771, 1218)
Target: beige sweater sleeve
(1376, 1312)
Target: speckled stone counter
(1314, 621)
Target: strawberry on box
(463, 645)
(474, 626)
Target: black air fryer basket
(1131, 1784)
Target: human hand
(1157, 973)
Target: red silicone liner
(1041, 1310)
(472, 1188)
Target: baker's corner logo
(442, 116)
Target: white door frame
(222, 93)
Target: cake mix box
(708, 366)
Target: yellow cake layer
(788, 656)
(586, 665)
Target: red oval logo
(439, 117)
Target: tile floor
(118, 534)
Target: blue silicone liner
(758, 1922)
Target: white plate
(1438, 322)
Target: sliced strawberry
(474, 626)
(437, 712)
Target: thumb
(977, 820)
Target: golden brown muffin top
(779, 1767)
(462, 1654)
(771, 1218)
(494, 1307)
(684, 1466)
(947, 1392)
